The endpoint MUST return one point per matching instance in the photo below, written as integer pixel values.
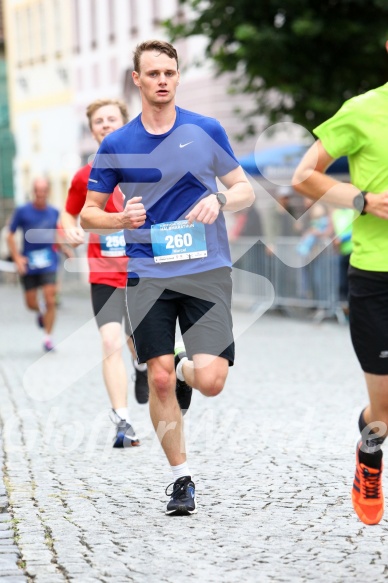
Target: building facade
(39, 56)
(63, 54)
(7, 147)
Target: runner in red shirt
(108, 277)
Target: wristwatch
(221, 198)
(359, 202)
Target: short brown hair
(92, 107)
(153, 45)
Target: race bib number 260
(177, 241)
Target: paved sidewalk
(272, 457)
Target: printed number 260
(179, 240)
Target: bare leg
(164, 409)
(113, 367)
(377, 410)
(49, 294)
(31, 299)
(206, 373)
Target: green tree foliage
(312, 54)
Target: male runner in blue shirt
(166, 161)
(37, 262)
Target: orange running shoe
(367, 493)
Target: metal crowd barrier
(300, 282)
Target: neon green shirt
(359, 130)
(342, 224)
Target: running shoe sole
(123, 440)
(181, 511)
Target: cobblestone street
(272, 458)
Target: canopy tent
(284, 158)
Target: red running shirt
(106, 255)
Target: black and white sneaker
(182, 498)
(183, 390)
(125, 434)
(141, 386)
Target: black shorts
(368, 318)
(35, 280)
(109, 304)
(202, 305)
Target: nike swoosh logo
(184, 145)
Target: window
(34, 34)
(93, 24)
(111, 21)
(30, 41)
(156, 12)
(133, 19)
(76, 27)
(42, 31)
(57, 27)
(18, 37)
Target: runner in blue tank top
(166, 162)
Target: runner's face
(104, 121)
(41, 193)
(158, 77)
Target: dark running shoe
(183, 391)
(125, 434)
(39, 320)
(182, 498)
(141, 386)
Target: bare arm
(74, 234)
(94, 218)
(239, 195)
(19, 260)
(310, 180)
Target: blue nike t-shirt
(38, 226)
(171, 172)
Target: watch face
(359, 202)
(221, 198)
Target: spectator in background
(319, 227)
(286, 211)
(310, 248)
(247, 223)
(342, 220)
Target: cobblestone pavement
(272, 458)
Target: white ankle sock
(139, 367)
(179, 371)
(123, 413)
(180, 471)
